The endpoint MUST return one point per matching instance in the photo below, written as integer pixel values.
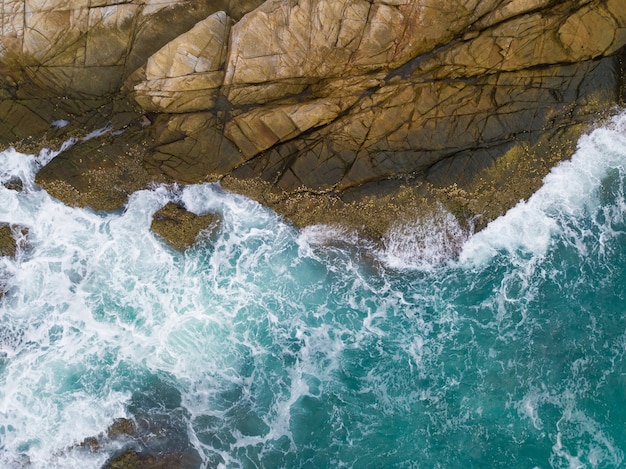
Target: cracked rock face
(323, 97)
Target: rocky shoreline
(351, 112)
(346, 112)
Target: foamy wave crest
(328, 235)
(15, 166)
(429, 242)
(570, 192)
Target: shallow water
(263, 346)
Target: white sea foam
(568, 192)
(59, 123)
(430, 242)
(326, 235)
(86, 292)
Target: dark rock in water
(7, 241)
(179, 227)
(137, 452)
(132, 460)
(121, 427)
(14, 184)
(154, 437)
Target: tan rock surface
(184, 75)
(314, 39)
(260, 129)
(201, 49)
(329, 98)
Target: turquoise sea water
(262, 346)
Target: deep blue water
(263, 346)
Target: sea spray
(262, 346)
(430, 241)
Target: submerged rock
(318, 102)
(137, 451)
(154, 437)
(179, 227)
(14, 184)
(133, 460)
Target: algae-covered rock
(131, 459)
(179, 227)
(101, 171)
(135, 453)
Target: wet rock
(7, 241)
(136, 439)
(153, 437)
(14, 184)
(133, 460)
(137, 453)
(10, 237)
(316, 99)
(179, 227)
(102, 171)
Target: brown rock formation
(10, 238)
(7, 242)
(124, 432)
(179, 227)
(324, 104)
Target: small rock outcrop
(10, 238)
(322, 102)
(7, 241)
(179, 227)
(135, 453)
(153, 437)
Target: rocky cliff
(352, 110)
